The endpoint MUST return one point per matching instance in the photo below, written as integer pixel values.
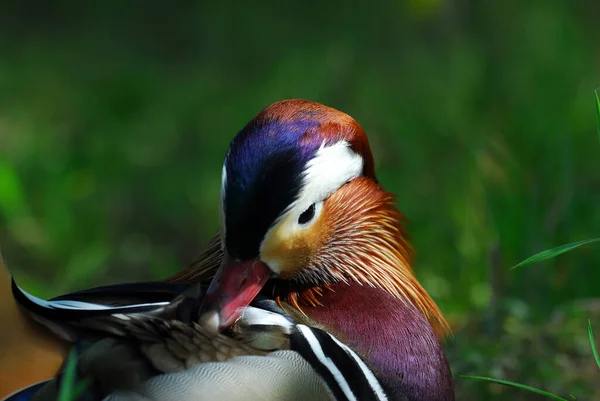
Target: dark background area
(115, 118)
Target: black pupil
(307, 215)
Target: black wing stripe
(346, 375)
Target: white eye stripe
(331, 168)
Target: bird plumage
(305, 222)
(347, 266)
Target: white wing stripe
(327, 362)
(373, 382)
(78, 305)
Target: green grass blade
(593, 343)
(69, 389)
(65, 393)
(79, 389)
(517, 385)
(551, 253)
(597, 92)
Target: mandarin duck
(304, 223)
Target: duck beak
(234, 286)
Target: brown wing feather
(173, 346)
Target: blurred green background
(115, 118)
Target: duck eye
(307, 215)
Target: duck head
(301, 212)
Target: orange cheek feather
(292, 252)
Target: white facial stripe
(331, 168)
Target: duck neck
(392, 336)
(29, 353)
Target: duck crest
(319, 123)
